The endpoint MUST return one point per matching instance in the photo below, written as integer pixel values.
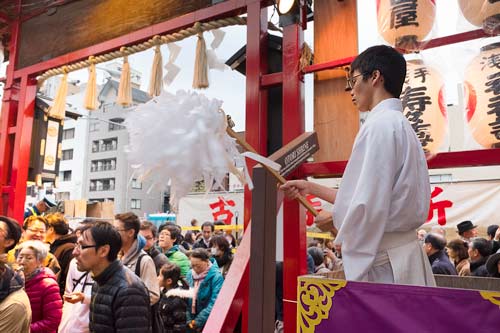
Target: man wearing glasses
(120, 301)
(385, 193)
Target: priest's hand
(294, 188)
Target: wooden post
(262, 253)
(335, 118)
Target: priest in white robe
(385, 192)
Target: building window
(94, 126)
(66, 175)
(103, 165)
(67, 154)
(68, 133)
(104, 145)
(62, 196)
(114, 124)
(135, 204)
(136, 184)
(105, 184)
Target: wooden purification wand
(324, 225)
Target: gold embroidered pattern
(492, 296)
(314, 301)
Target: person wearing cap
(493, 265)
(41, 207)
(467, 230)
(494, 236)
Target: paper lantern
(423, 104)
(482, 13)
(482, 92)
(404, 23)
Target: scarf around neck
(197, 280)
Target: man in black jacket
(120, 301)
(479, 251)
(434, 245)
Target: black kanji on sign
(403, 13)
(492, 61)
(415, 101)
(421, 73)
(493, 86)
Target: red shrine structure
(85, 28)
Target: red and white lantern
(482, 13)
(405, 23)
(482, 92)
(424, 106)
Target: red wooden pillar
(15, 131)
(294, 228)
(256, 96)
(256, 109)
(22, 145)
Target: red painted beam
(328, 65)
(228, 8)
(458, 159)
(270, 80)
(437, 42)
(453, 39)
(470, 158)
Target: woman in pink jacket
(41, 287)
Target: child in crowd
(173, 301)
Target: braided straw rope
(156, 40)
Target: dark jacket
(158, 258)
(200, 244)
(45, 300)
(120, 302)
(62, 249)
(441, 264)
(495, 246)
(478, 267)
(173, 307)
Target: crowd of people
(465, 255)
(109, 276)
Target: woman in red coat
(41, 287)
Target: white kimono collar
(388, 104)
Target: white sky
(229, 85)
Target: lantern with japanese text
(405, 23)
(482, 13)
(482, 85)
(423, 104)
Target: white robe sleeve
(364, 199)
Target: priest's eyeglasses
(351, 81)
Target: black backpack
(156, 321)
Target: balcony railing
(102, 188)
(102, 168)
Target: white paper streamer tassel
(180, 138)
